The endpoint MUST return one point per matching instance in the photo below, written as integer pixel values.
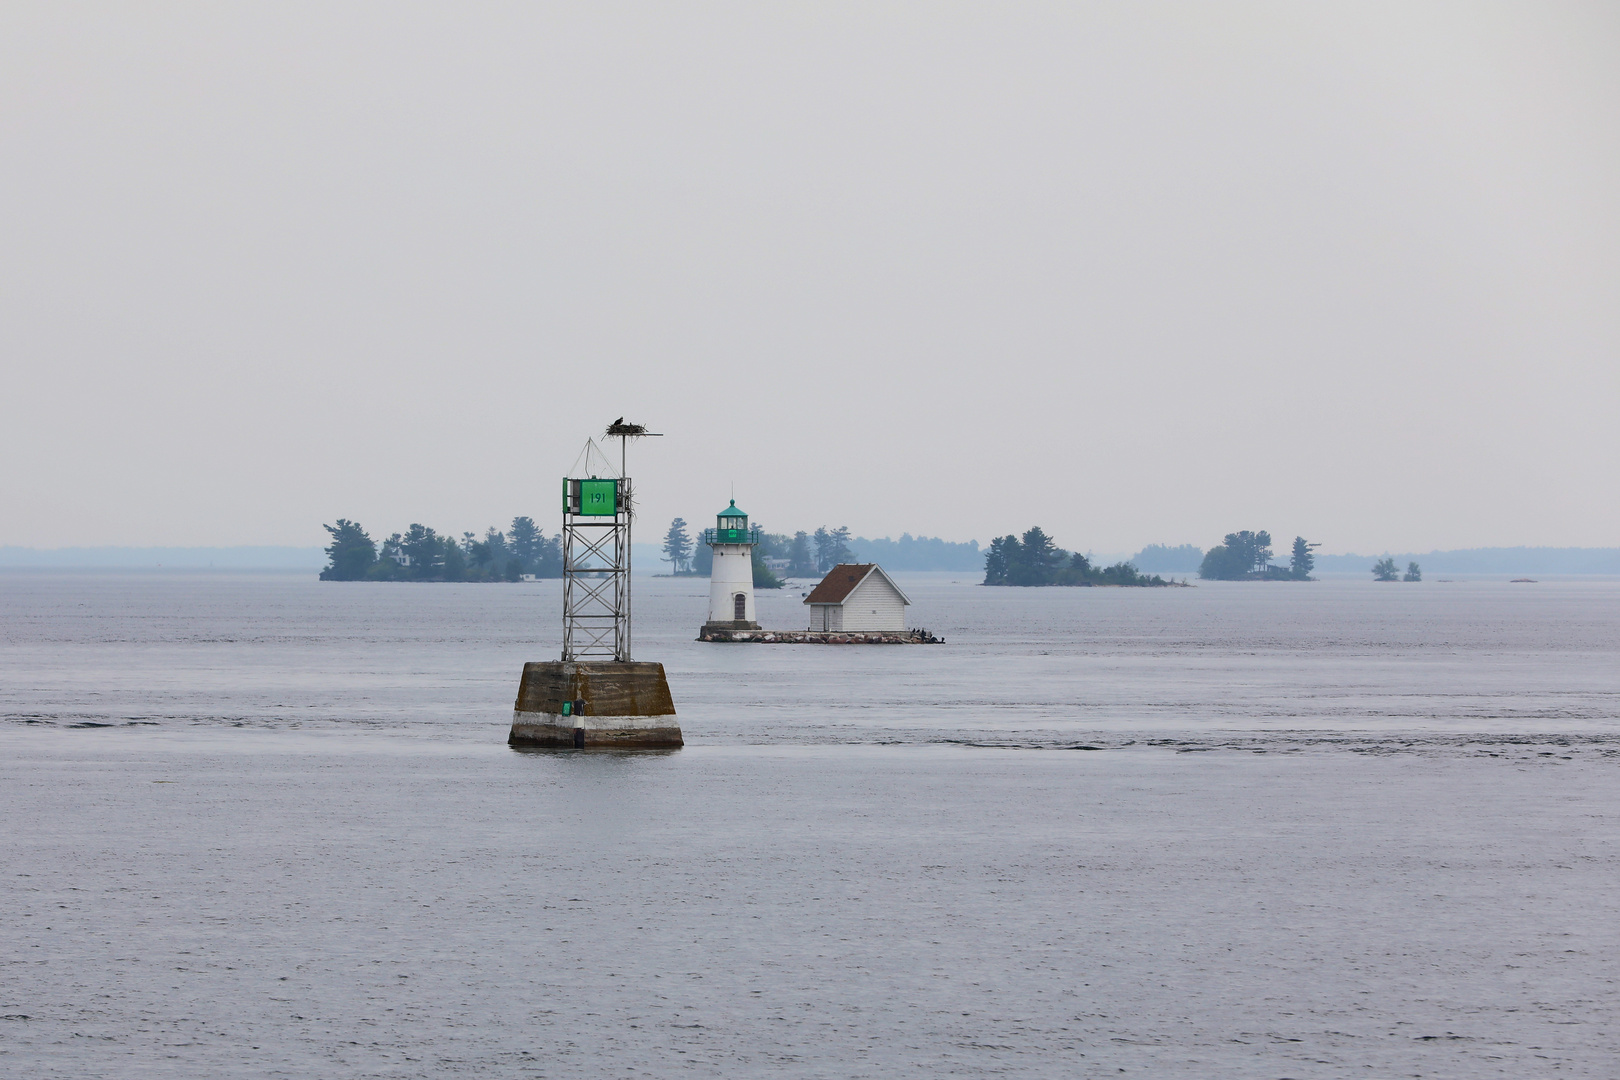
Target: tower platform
(594, 704)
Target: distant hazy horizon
(1135, 273)
(1481, 560)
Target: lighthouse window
(739, 604)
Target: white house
(857, 596)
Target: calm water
(260, 826)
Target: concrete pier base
(609, 705)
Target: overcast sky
(1134, 272)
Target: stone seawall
(822, 637)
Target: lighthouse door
(739, 606)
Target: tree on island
(352, 552)
(1386, 570)
(1413, 573)
(422, 554)
(764, 576)
(1240, 554)
(492, 555)
(1246, 556)
(1037, 560)
(678, 547)
(832, 547)
(424, 551)
(800, 561)
(525, 539)
(538, 554)
(1302, 562)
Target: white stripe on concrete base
(594, 723)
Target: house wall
(826, 617)
(873, 605)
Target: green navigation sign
(598, 498)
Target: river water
(256, 825)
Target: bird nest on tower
(619, 427)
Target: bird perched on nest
(619, 427)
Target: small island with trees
(1246, 556)
(421, 554)
(1386, 569)
(524, 552)
(1037, 560)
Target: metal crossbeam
(596, 582)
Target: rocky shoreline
(822, 637)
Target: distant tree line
(1246, 556)
(804, 554)
(1184, 558)
(918, 553)
(1037, 560)
(421, 554)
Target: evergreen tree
(999, 559)
(678, 546)
(1262, 551)
(1242, 556)
(389, 565)
(1302, 562)
(1413, 573)
(489, 554)
(764, 577)
(525, 540)
(453, 561)
(550, 561)
(1386, 570)
(824, 546)
(837, 546)
(351, 552)
(1037, 560)
(800, 561)
(422, 546)
(1250, 550)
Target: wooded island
(1036, 560)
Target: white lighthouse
(731, 582)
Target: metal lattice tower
(597, 512)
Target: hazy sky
(1134, 272)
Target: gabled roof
(842, 580)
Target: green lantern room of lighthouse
(731, 526)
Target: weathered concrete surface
(710, 632)
(593, 732)
(739, 624)
(624, 705)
